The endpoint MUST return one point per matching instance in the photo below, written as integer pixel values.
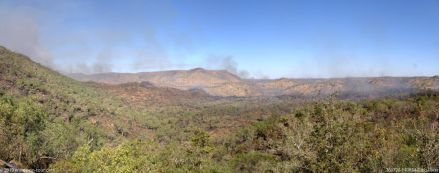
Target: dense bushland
(45, 116)
(324, 136)
(50, 121)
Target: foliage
(48, 120)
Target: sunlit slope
(45, 115)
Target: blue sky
(253, 38)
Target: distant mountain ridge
(176, 78)
(224, 83)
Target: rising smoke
(75, 51)
(19, 31)
(226, 63)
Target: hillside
(47, 115)
(50, 121)
(223, 83)
(146, 94)
(184, 79)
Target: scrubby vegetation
(50, 121)
(324, 136)
(44, 116)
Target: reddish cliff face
(223, 83)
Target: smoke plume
(20, 32)
(226, 63)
